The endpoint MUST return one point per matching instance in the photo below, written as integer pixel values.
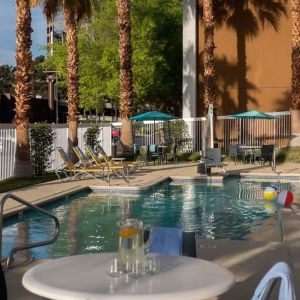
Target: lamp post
(53, 78)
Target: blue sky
(8, 32)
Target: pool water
(88, 221)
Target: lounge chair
(213, 158)
(72, 171)
(116, 168)
(103, 158)
(83, 159)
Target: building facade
(253, 60)
(55, 28)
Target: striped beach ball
(270, 193)
(285, 198)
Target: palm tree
(209, 61)
(23, 88)
(126, 78)
(74, 11)
(295, 13)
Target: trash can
(202, 169)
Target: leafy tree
(6, 78)
(157, 56)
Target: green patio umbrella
(153, 116)
(253, 114)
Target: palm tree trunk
(72, 75)
(295, 108)
(126, 78)
(209, 60)
(23, 88)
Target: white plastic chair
(280, 271)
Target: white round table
(84, 277)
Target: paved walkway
(248, 260)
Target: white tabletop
(118, 158)
(249, 147)
(84, 277)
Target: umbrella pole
(154, 132)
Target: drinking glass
(153, 265)
(137, 268)
(114, 268)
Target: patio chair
(266, 154)
(233, 152)
(213, 158)
(280, 271)
(166, 240)
(72, 171)
(152, 153)
(104, 158)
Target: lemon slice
(128, 232)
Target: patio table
(84, 277)
(250, 150)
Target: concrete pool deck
(248, 260)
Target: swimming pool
(232, 209)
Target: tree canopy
(157, 56)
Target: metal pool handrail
(13, 251)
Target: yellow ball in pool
(270, 193)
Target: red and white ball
(285, 198)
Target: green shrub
(194, 156)
(41, 142)
(289, 154)
(91, 136)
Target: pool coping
(139, 189)
(278, 175)
(41, 201)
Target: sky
(8, 32)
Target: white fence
(8, 145)
(228, 131)
(7, 151)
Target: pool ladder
(10, 258)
